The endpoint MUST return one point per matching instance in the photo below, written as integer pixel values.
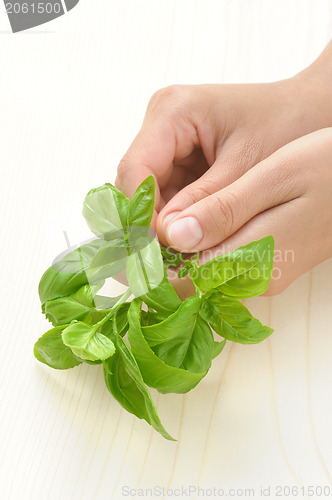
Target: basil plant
(146, 337)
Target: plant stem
(121, 300)
(194, 269)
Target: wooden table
(72, 96)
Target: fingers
(216, 217)
(234, 157)
(302, 226)
(223, 172)
(151, 153)
(168, 132)
(290, 236)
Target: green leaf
(218, 347)
(172, 342)
(232, 320)
(103, 302)
(183, 340)
(80, 306)
(185, 269)
(162, 298)
(145, 269)
(122, 325)
(142, 205)
(105, 210)
(86, 342)
(110, 260)
(183, 272)
(124, 381)
(171, 257)
(51, 351)
(70, 273)
(155, 372)
(244, 273)
(87, 264)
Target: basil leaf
(69, 274)
(183, 340)
(172, 342)
(124, 381)
(155, 372)
(51, 351)
(109, 260)
(150, 318)
(162, 298)
(103, 302)
(105, 210)
(244, 273)
(80, 306)
(89, 362)
(89, 263)
(145, 269)
(185, 269)
(86, 342)
(218, 347)
(141, 207)
(232, 320)
(171, 257)
(121, 318)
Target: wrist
(312, 87)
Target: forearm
(315, 84)
(321, 68)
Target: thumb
(211, 220)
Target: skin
(234, 163)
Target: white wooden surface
(72, 97)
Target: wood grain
(71, 101)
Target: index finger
(167, 133)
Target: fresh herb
(155, 340)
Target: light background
(72, 97)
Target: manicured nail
(168, 219)
(185, 233)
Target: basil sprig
(154, 340)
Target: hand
(287, 195)
(201, 142)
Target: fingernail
(168, 219)
(185, 233)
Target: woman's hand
(288, 195)
(209, 148)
